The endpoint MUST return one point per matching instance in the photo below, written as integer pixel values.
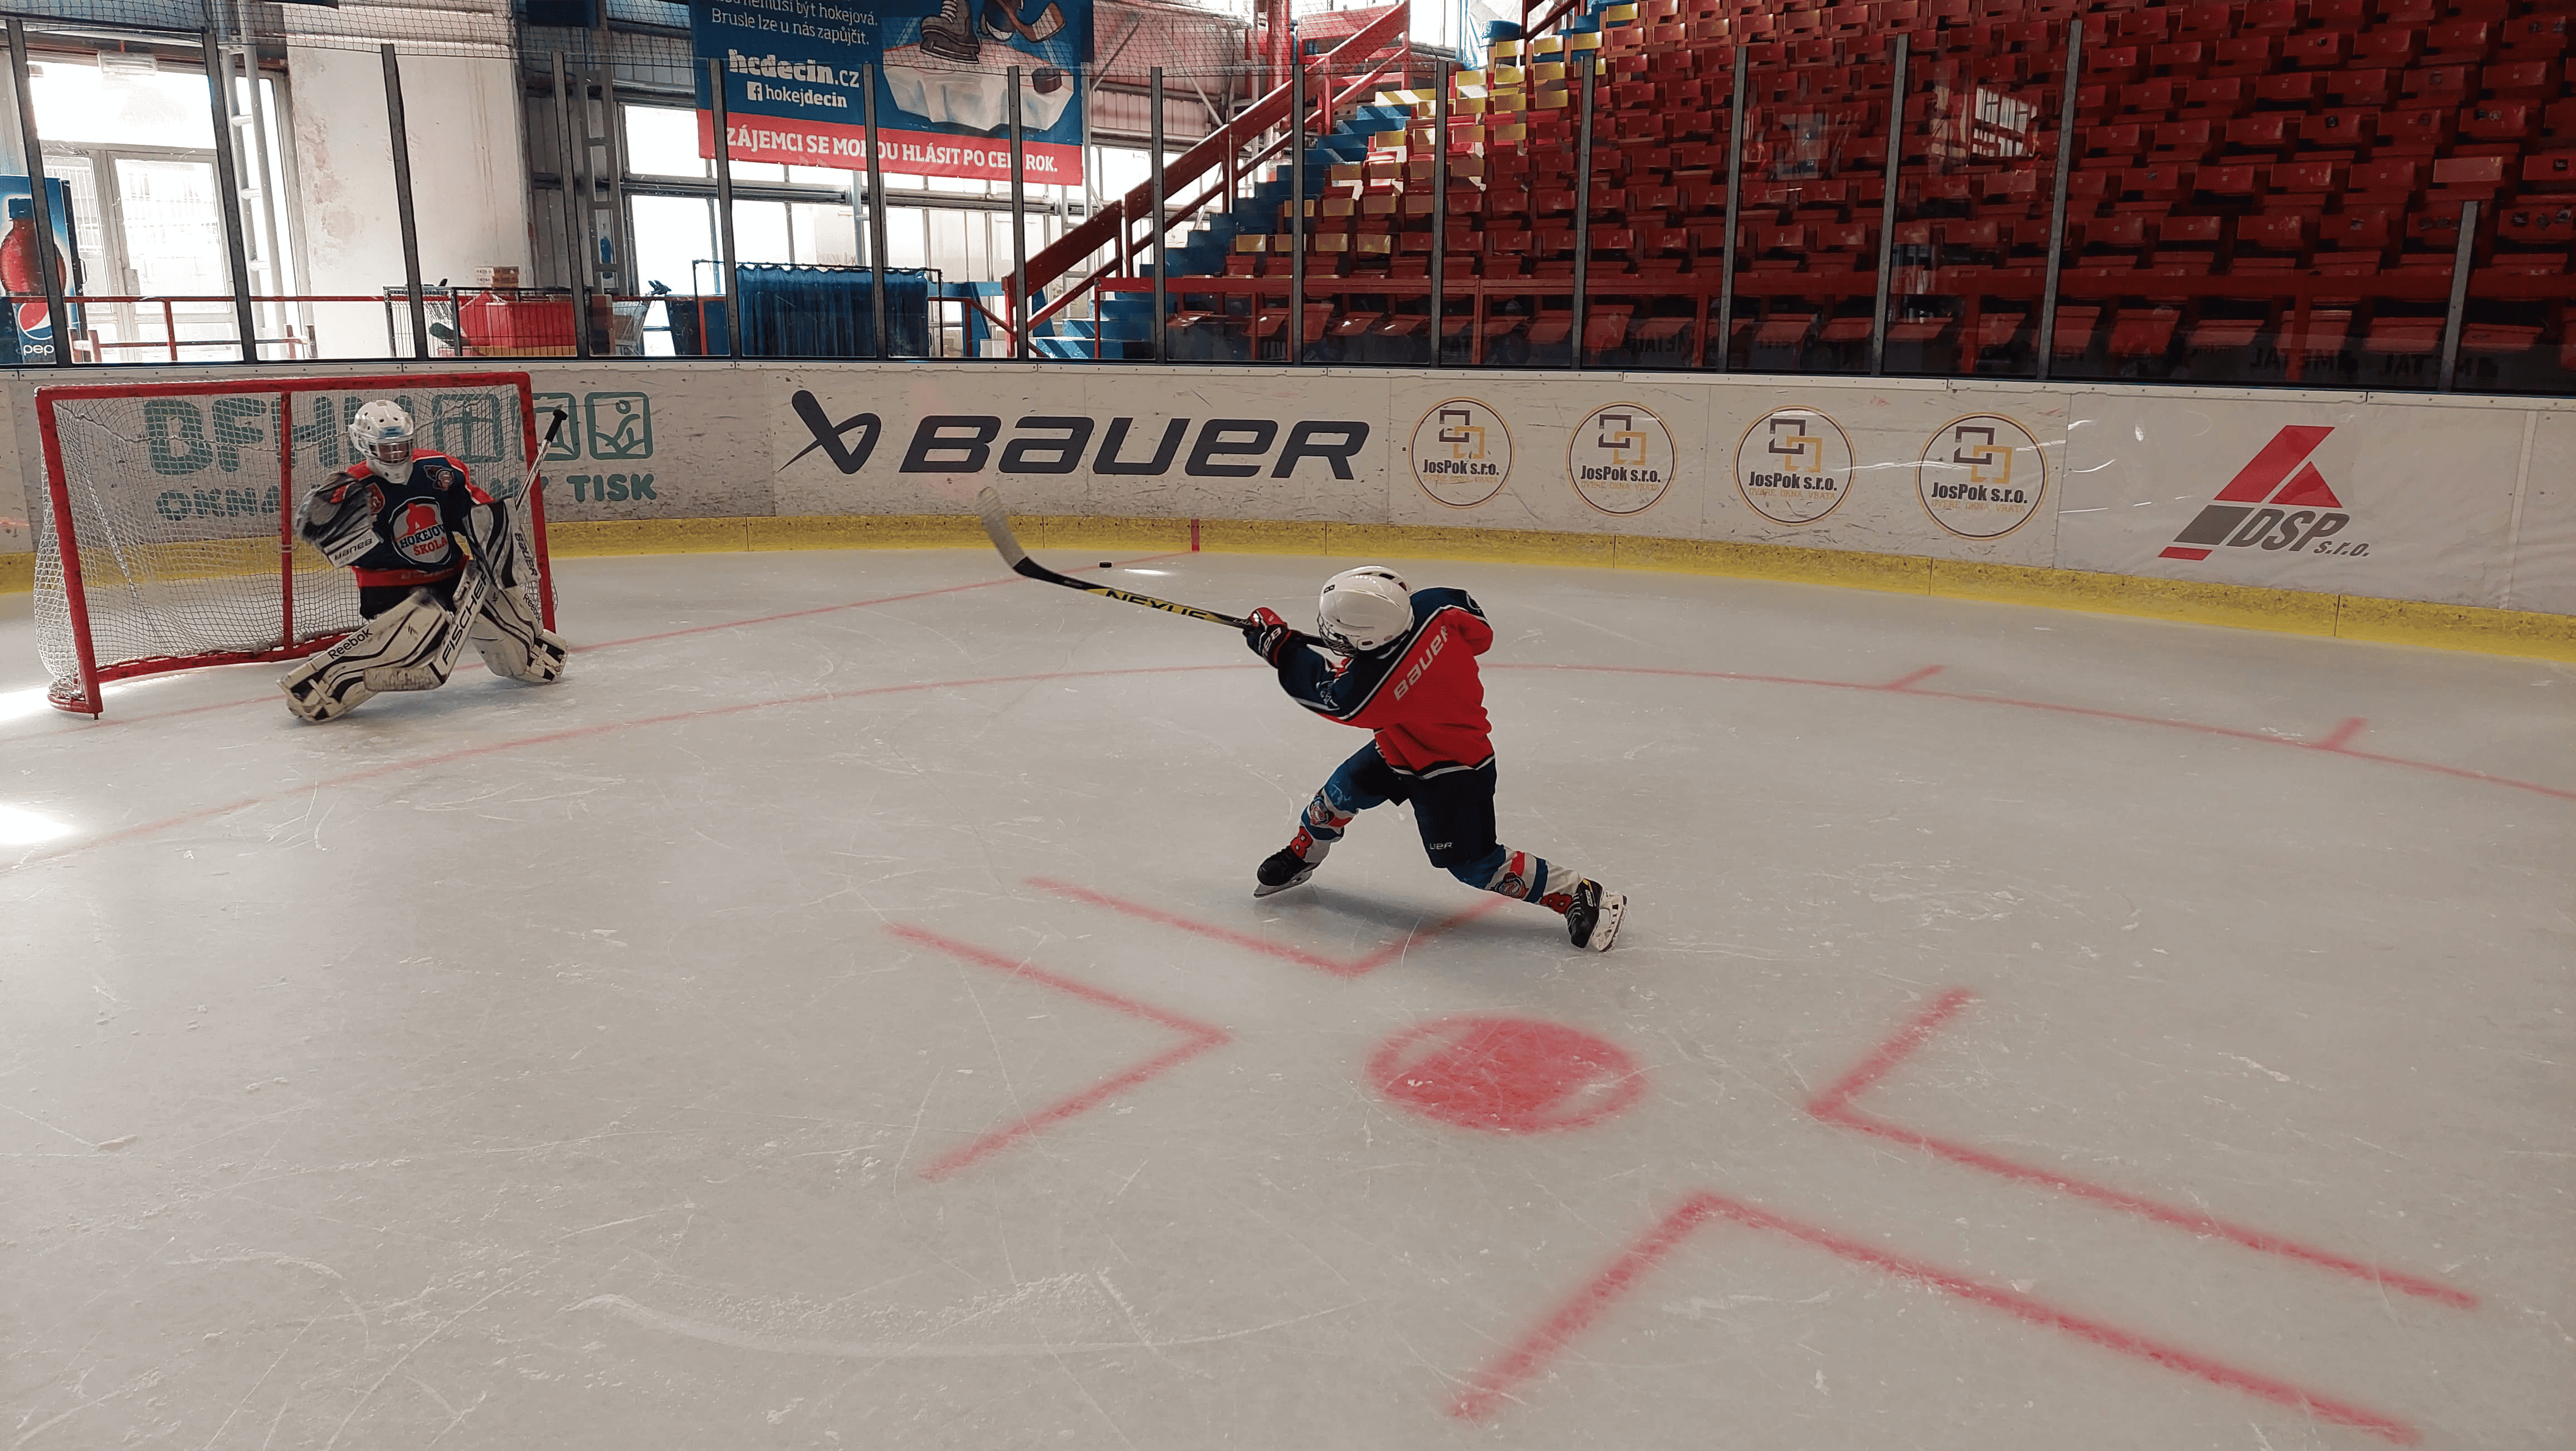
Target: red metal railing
(295, 346)
(1380, 44)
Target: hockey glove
(1268, 635)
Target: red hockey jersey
(1421, 694)
(416, 520)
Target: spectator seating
(2256, 190)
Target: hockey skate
(1289, 865)
(1592, 920)
(950, 34)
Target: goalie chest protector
(415, 519)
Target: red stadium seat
(2219, 97)
(2217, 333)
(2470, 41)
(2489, 337)
(2499, 121)
(2326, 332)
(1998, 329)
(2268, 17)
(1788, 330)
(2398, 178)
(2520, 80)
(2550, 171)
(2266, 134)
(2390, 46)
(2540, 35)
(2363, 86)
(2318, 49)
(2141, 332)
(2403, 336)
(2340, 128)
(2291, 88)
(2074, 332)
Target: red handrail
(1116, 216)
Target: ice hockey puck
(1105, 564)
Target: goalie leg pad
(513, 644)
(401, 649)
(492, 532)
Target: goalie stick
(478, 581)
(988, 505)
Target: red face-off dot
(1505, 1075)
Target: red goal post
(169, 537)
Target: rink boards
(2309, 511)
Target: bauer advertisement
(794, 76)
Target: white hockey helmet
(1364, 608)
(381, 433)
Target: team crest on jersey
(423, 536)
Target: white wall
(2445, 500)
(468, 195)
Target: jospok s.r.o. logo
(2277, 502)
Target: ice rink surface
(836, 1016)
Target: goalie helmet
(1364, 608)
(381, 433)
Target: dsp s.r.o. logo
(1461, 453)
(1982, 476)
(2277, 502)
(1621, 459)
(1794, 465)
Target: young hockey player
(437, 564)
(1410, 677)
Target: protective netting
(175, 502)
(420, 27)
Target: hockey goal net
(169, 538)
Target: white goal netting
(178, 499)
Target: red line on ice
(270, 697)
(1197, 1037)
(1834, 1106)
(1497, 1382)
(1337, 966)
(601, 728)
(2055, 707)
(675, 717)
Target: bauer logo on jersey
(423, 536)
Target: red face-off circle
(1505, 1075)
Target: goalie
(437, 564)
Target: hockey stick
(478, 582)
(989, 505)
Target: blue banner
(792, 75)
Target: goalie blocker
(437, 564)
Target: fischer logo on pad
(2277, 501)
